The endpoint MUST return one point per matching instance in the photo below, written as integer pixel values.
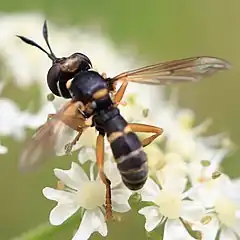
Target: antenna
(45, 35)
(51, 55)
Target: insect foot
(68, 148)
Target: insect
(93, 105)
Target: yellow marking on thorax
(100, 93)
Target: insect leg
(87, 123)
(106, 181)
(137, 127)
(119, 95)
(69, 146)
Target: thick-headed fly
(92, 105)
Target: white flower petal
(174, 167)
(156, 158)
(121, 195)
(3, 149)
(152, 215)
(227, 234)
(209, 231)
(112, 172)
(88, 138)
(204, 192)
(182, 143)
(60, 196)
(192, 211)
(237, 214)
(85, 154)
(73, 177)
(13, 122)
(236, 226)
(66, 205)
(62, 212)
(92, 221)
(150, 191)
(175, 230)
(118, 207)
(175, 184)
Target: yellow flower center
(91, 195)
(226, 210)
(169, 204)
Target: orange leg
(137, 127)
(106, 181)
(119, 95)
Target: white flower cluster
(185, 191)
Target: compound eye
(57, 79)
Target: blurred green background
(160, 30)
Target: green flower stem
(47, 231)
(37, 233)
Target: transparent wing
(50, 137)
(182, 70)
